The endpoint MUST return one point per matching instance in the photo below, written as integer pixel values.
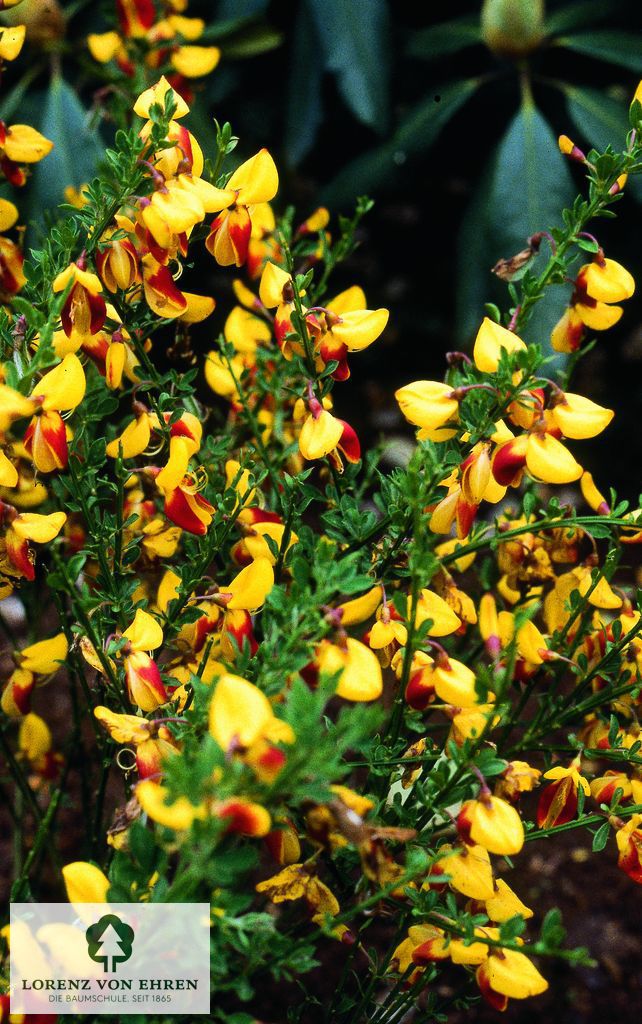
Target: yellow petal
(359, 609)
(427, 403)
(40, 529)
(504, 904)
(608, 281)
(194, 61)
(360, 328)
(11, 41)
(8, 214)
(579, 418)
(199, 307)
(273, 280)
(431, 606)
(251, 586)
(45, 656)
(145, 633)
(103, 46)
(547, 459)
(63, 387)
(319, 436)
(256, 180)
(85, 883)
(179, 815)
(34, 738)
(239, 712)
(25, 145)
(514, 975)
(156, 94)
(360, 678)
(491, 339)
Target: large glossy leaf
(442, 40)
(304, 110)
(524, 190)
(77, 148)
(581, 13)
(622, 48)
(601, 119)
(376, 170)
(354, 38)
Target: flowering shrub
(333, 702)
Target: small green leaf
(621, 48)
(601, 837)
(444, 39)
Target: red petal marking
(22, 695)
(507, 463)
(17, 549)
(464, 823)
(494, 999)
(240, 230)
(564, 793)
(630, 860)
(163, 283)
(261, 515)
(148, 759)
(97, 310)
(179, 508)
(429, 951)
(13, 172)
(242, 817)
(238, 626)
(419, 692)
(143, 680)
(465, 514)
(349, 443)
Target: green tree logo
(110, 939)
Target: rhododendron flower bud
(492, 823)
(491, 339)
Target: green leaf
(304, 111)
(523, 190)
(377, 169)
(355, 41)
(444, 39)
(251, 41)
(622, 48)
(601, 837)
(77, 148)
(579, 15)
(601, 119)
